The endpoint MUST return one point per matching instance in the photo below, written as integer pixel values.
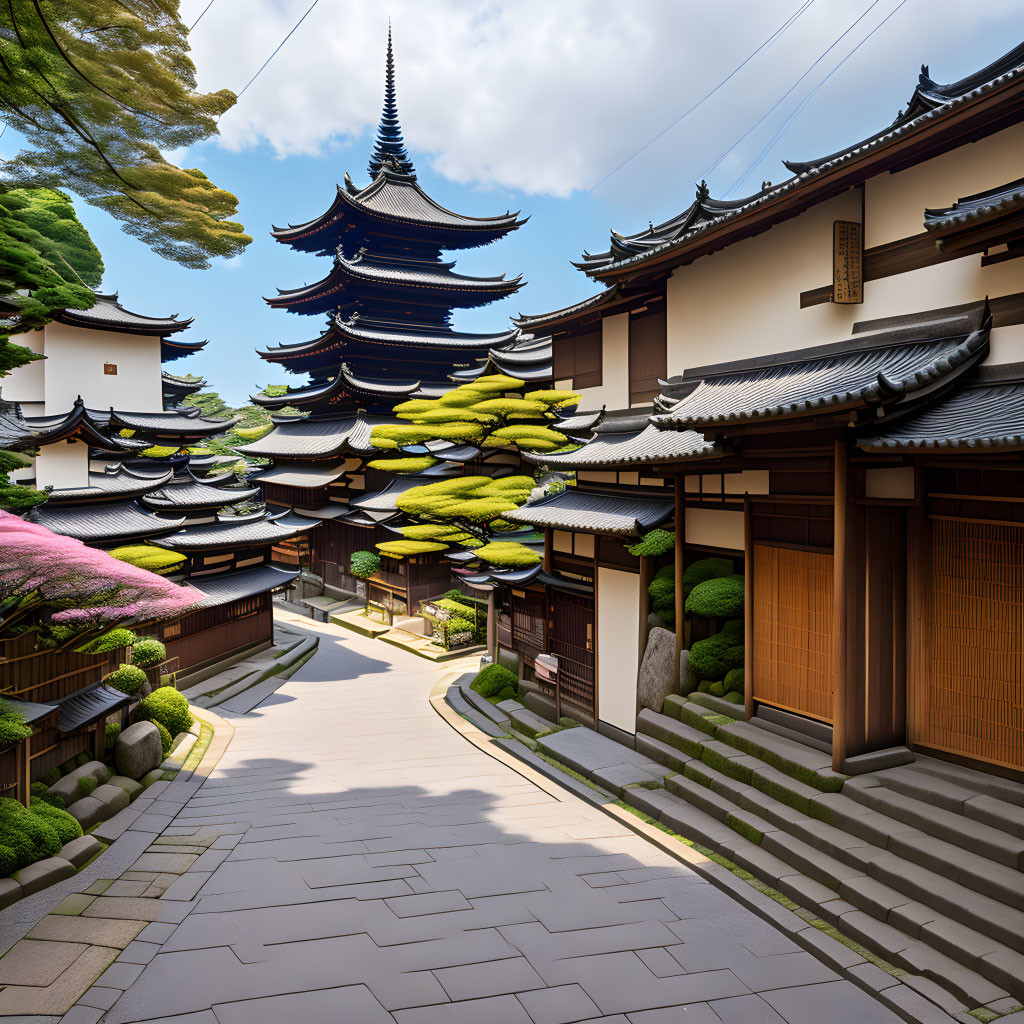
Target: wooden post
(644, 609)
(24, 757)
(492, 625)
(594, 643)
(679, 492)
(549, 554)
(748, 609)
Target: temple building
(854, 450)
(387, 304)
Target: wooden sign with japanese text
(847, 262)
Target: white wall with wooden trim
(618, 647)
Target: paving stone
(80, 850)
(838, 1002)
(178, 863)
(120, 975)
(29, 962)
(124, 908)
(137, 952)
(74, 904)
(746, 1010)
(62, 994)
(476, 981)
(100, 998)
(327, 1006)
(42, 874)
(112, 933)
(559, 1005)
(125, 887)
(692, 1013)
(503, 1009)
(82, 1015)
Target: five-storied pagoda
(388, 300)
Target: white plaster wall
(74, 366)
(896, 202)
(715, 528)
(64, 464)
(618, 596)
(25, 384)
(614, 390)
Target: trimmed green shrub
(28, 836)
(112, 640)
(554, 399)
(705, 569)
(509, 554)
(66, 827)
(406, 548)
(494, 679)
(83, 758)
(112, 730)
(147, 651)
(717, 689)
(146, 556)
(733, 697)
(720, 598)
(167, 707)
(51, 777)
(712, 658)
(13, 728)
(249, 434)
(509, 693)
(653, 544)
(166, 739)
(413, 464)
(529, 438)
(126, 678)
(40, 791)
(86, 784)
(362, 564)
(734, 681)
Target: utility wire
(739, 67)
(784, 127)
(279, 45)
(200, 18)
(779, 101)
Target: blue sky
(522, 105)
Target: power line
(835, 42)
(279, 45)
(784, 127)
(200, 18)
(739, 67)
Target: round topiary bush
(66, 827)
(40, 791)
(720, 598)
(148, 651)
(126, 678)
(167, 707)
(734, 681)
(363, 564)
(705, 569)
(493, 680)
(112, 640)
(653, 544)
(86, 784)
(166, 739)
(28, 836)
(711, 659)
(111, 730)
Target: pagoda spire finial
(389, 152)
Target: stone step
(663, 753)
(980, 782)
(719, 706)
(952, 796)
(456, 699)
(789, 734)
(852, 902)
(807, 727)
(966, 833)
(484, 706)
(540, 704)
(529, 723)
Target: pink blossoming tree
(47, 580)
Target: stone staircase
(922, 863)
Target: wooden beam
(840, 632)
(549, 552)
(748, 609)
(679, 485)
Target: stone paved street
(363, 862)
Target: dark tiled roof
(84, 424)
(344, 383)
(99, 523)
(579, 422)
(981, 416)
(13, 428)
(30, 710)
(609, 512)
(238, 531)
(314, 438)
(189, 493)
(594, 302)
(121, 483)
(383, 503)
(301, 476)
(176, 348)
(233, 586)
(650, 445)
(995, 202)
(109, 315)
(884, 369)
(527, 358)
(180, 422)
(84, 708)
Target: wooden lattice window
(972, 702)
(792, 641)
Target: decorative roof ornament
(389, 152)
(703, 192)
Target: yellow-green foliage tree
(490, 412)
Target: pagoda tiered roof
(109, 315)
(103, 523)
(315, 438)
(617, 513)
(177, 388)
(187, 493)
(184, 423)
(119, 482)
(525, 357)
(260, 530)
(225, 587)
(648, 446)
(344, 389)
(385, 282)
(79, 424)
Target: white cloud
(548, 95)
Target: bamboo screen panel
(792, 652)
(973, 704)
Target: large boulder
(655, 681)
(67, 787)
(138, 750)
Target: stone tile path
(353, 859)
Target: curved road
(376, 867)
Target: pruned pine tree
(469, 510)
(102, 90)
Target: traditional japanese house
(864, 415)
(388, 301)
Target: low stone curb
(286, 663)
(898, 996)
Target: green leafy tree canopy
(101, 89)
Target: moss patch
(195, 755)
(744, 828)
